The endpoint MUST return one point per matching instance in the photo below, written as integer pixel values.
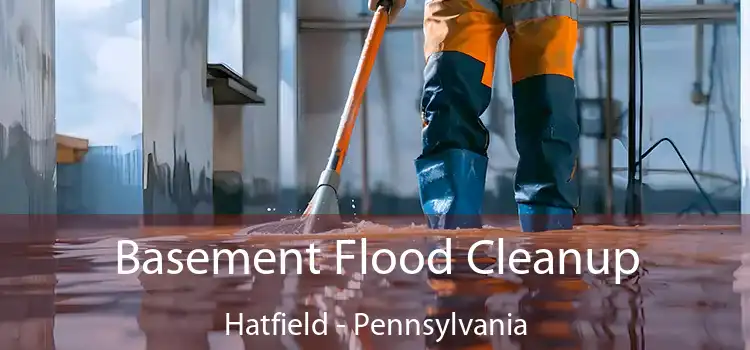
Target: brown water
(68, 295)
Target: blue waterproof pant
(460, 43)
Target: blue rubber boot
(451, 188)
(537, 218)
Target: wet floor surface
(68, 295)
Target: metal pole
(365, 210)
(288, 106)
(633, 188)
(743, 20)
(699, 63)
(365, 143)
(608, 116)
(661, 15)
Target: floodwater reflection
(68, 295)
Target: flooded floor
(69, 296)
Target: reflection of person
(460, 43)
(549, 310)
(399, 295)
(546, 304)
(549, 305)
(472, 297)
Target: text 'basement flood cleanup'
(410, 261)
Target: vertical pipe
(366, 200)
(366, 203)
(633, 189)
(742, 282)
(288, 102)
(609, 115)
(365, 144)
(744, 29)
(364, 12)
(260, 144)
(699, 57)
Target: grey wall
(227, 152)
(27, 107)
(27, 168)
(177, 108)
(261, 123)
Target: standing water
(70, 296)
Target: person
(460, 43)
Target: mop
(322, 213)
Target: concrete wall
(27, 107)
(228, 138)
(177, 108)
(27, 164)
(261, 123)
(228, 189)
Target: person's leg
(543, 36)
(460, 41)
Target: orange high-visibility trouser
(460, 43)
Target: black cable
(687, 167)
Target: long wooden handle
(357, 90)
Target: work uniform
(460, 41)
